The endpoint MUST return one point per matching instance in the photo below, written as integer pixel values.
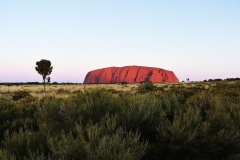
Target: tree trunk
(44, 85)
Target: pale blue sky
(194, 39)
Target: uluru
(130, 74)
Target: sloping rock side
(130, 74)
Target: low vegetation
(145, 121)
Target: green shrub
(15, 115)
(20, 94)
(146, 86)
(23, 142)
(104, 140)
(183, 123)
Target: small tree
(44, 68)
(48, 79)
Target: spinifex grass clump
(146, 87)
(100, 125)
(20, 94)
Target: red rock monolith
(130, 74)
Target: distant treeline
(33, 83)
(40, 83)
(218, 79)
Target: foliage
(146, 86)
(20, 94)
(103, 140)
(44, 68)
(183, 123)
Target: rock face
(130, 74)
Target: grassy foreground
(121, 121)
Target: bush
(20, 94)
(147, 86)
(104, 140)
(177, 124)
